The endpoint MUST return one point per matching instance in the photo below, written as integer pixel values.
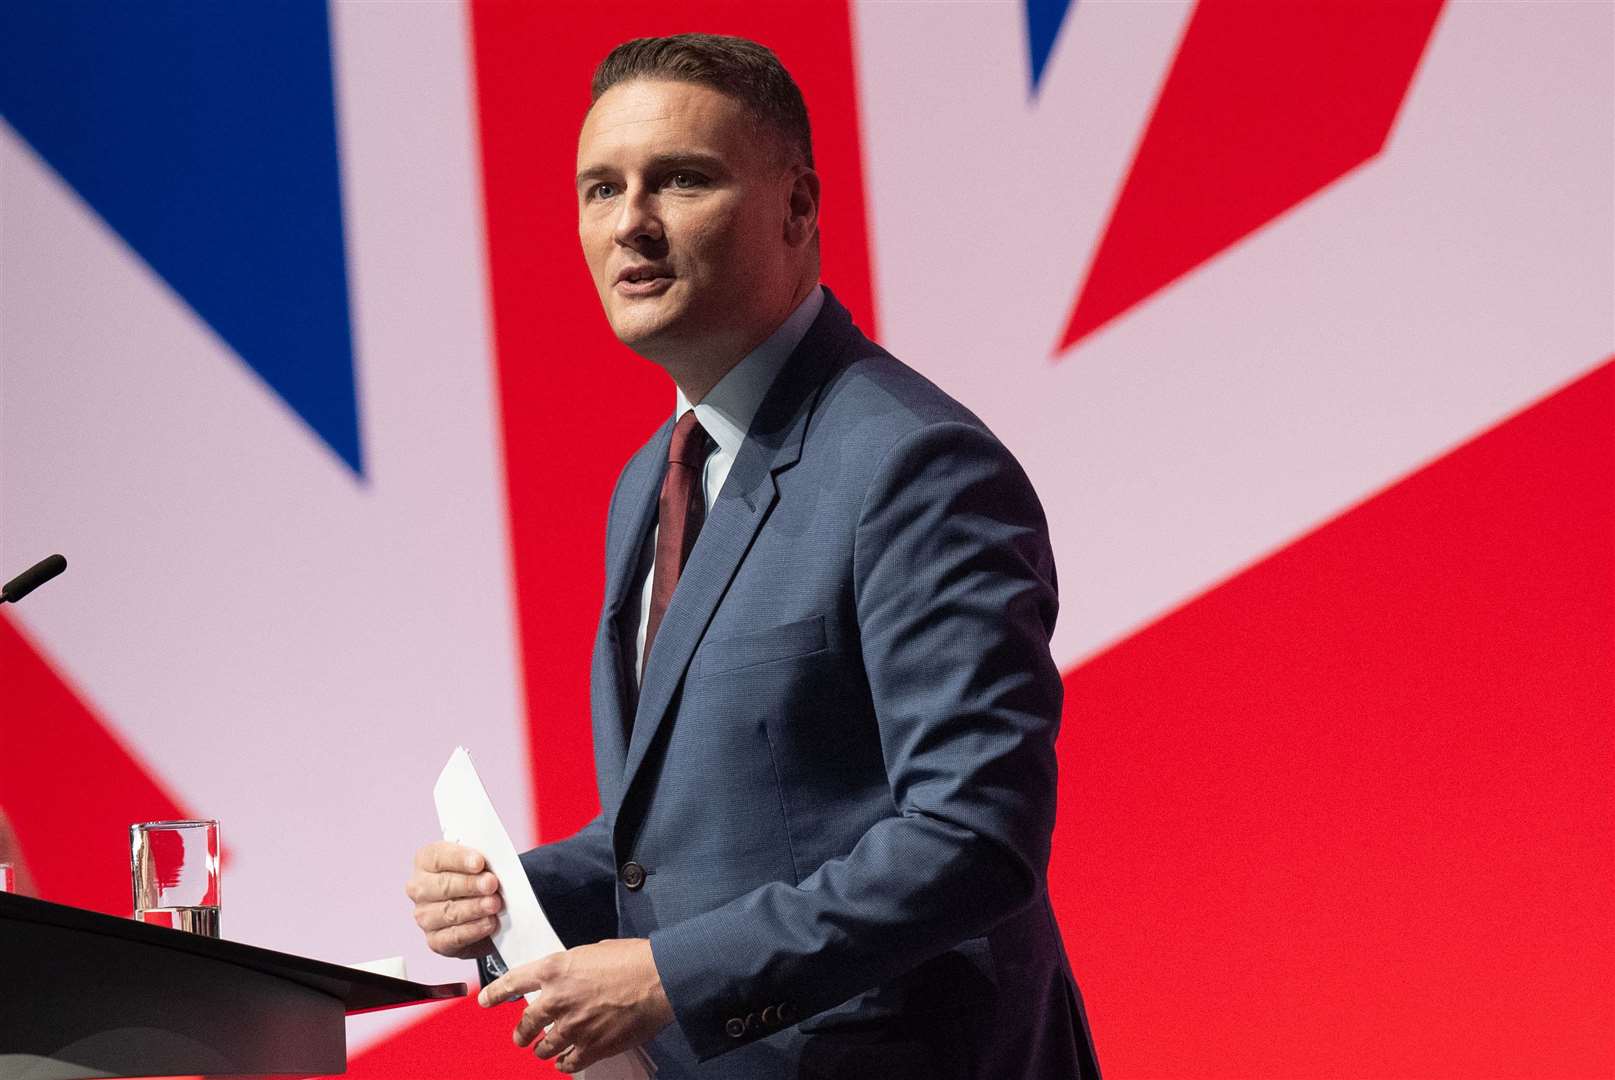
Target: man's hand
(598, 1000)
(456, 900)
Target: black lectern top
(358, 991)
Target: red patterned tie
(682, 509)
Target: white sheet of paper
(524, 933)
(392, 966)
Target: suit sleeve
(576, 882)
(954, 585)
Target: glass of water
(174, 866)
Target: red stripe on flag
(1350, 813)
(446, 1042)
(69, 784)
(1266, 103)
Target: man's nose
(637, 220)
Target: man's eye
(684, 180)
(603, 191)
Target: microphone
(32, 578)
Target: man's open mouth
(638, 274)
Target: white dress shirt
(726, 414)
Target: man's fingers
(520, 980)
(424, 887)
(532, 1025)
(444, 856)
(552, 1044)
(468, 934)
(455, 940)
(449, 913)
(513, 984)
(456, 899)
(577, 1058)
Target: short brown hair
(736, 66)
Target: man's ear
(802, 207)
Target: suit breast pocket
(754, 648)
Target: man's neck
(696, 374)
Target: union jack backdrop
(1299, 314)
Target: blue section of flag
(1043, 21)
(205, 135)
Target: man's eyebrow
(660, 163)
(593, 172)
(690, 159)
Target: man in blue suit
(823, 703)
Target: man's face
(683, 211)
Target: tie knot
(691, 444)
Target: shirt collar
(727, 410)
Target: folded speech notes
(524, 933)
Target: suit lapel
(748, 494)
(633, 518)
(773, 444)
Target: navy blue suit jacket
(837, 778)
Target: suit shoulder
(881, 431)
(873, 401)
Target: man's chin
(644, 331)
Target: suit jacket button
(736, 1027)
(771, 1016)
(787, 1012)
(632, 874)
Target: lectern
(89, 995)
